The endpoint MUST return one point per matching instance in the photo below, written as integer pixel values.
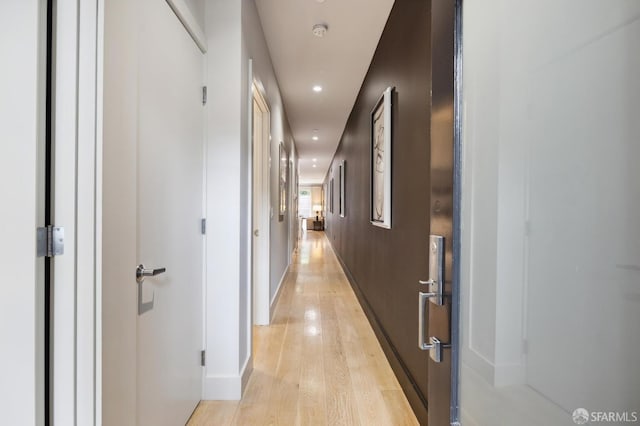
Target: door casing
(261, 207)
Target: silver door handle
(142, 272)
(435, 346)
(256, 232)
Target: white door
(170, 205)
(21, 288)
(261, 291)
(551, 201)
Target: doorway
(261, 208)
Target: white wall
(225, 182)
(256, 49)
(21, 289)
(550, 205)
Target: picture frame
(331, 196)
(283, 172)
(341, 188)
(381, 146)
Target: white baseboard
(478, 363)
(274, 299)
(227, 388)
(222, 388)
(510, 374)
(495, 374)
(246, 373)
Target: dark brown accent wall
(384, 265)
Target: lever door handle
(142, 272)
(256, 232)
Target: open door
(550, 289)
(261, 209)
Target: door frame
(75, 331)
(260, 247)
(445, 213)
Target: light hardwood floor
(319, 362)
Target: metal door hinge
(50, 241)
(204, 95)
(202, 358)
(203, 226)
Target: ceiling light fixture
(317, 88)
(319, 30)
(314, 165)
(315, 159)
(315, 138)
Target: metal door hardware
(141, 273)
(434, 346)
(256, 232)
(50, 241)
(436, 270)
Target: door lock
(435, 346)
(436, 270)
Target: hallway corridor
(319, 362)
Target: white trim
(98, 212)
(185, 16)
(276, 296)
(77, 146)
(249, 224)
(86, 213)
(222, 388)
(65, 140)
(228, 388)
(245, 375)
(262, 287)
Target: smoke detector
(319, 30)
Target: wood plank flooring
(319, 362)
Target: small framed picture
(331, 196)
(341, 186)
(283, 171)
(381, 161)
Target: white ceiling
(338, 62)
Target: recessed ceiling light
(315, 159)
(315, 138)
(319, 30)
(317, 88)
(314, 165)
(320, 1)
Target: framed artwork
(283, 172)
(341, 185)
(381, 161)
(331, 196)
